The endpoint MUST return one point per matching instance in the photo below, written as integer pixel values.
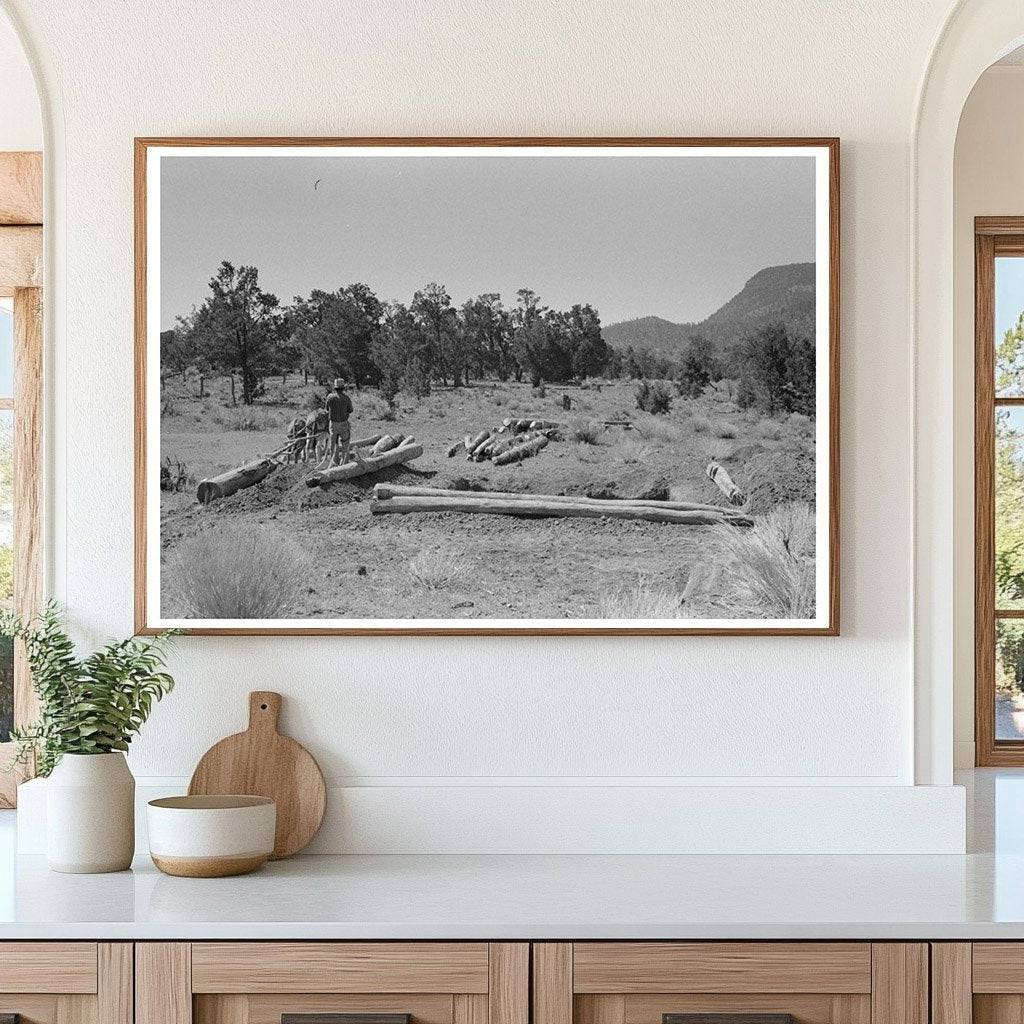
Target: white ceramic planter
(90, 814)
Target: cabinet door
(66, 982)
(332, 983)
(981, 982)
(737, 982)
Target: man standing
(339, 408)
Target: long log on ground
(521, 451)
(550, 509)
(454, 450)
(385, 491)
(718, 476)
(386, 443)
(476, 439)
(234, 480)
(403, 453)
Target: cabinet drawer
(264, 982)
(630, 967)
(735, 982)
(340, 967)
(48, 967)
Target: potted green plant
(89, 710)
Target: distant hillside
(775, 293)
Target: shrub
(658, 429)
(724, 430)
(584, 431)
(653, 397)
(641, 601)
(247, 418)
(167, 407)
(801, 423)
(435, 569)
(770, 430)
(766, 571)
(236, 571)
(374, 408)
(700, 424)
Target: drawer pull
(340, 1018)
(728, 1018)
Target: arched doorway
(976, 33)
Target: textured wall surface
(383, 711)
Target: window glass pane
(1009, 679)
(1009, 484)
(6, 567)
(1009, 324)
(6, 350)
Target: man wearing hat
(339, 408)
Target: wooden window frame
(21, 270)
(993, 237)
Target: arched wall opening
(976, 34)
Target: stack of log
(253, 472)
(393, 498)
(387, 451)
(513, 441)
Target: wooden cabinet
(979, 982)
(261, 982)
(648, 982)
(66, 982)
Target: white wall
(396, 713)
(988, 181)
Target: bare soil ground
(452, 565)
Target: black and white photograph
(470, 386)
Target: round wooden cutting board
(262, 762)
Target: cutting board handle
(264, 711)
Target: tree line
(242, 331)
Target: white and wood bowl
(211, 836)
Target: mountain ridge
(780, 293)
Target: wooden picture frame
(149, 150)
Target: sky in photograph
(674, 237)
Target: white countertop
(978, 896)
(532, 897)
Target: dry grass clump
(247, 418)
(584, 431)
(701, 424)
(435, 569)
(236, 571)
(763, 572)
(770, 430)
(724, 430)
(640, 601)
(654, 429)
(801, 423)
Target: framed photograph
(487, 386)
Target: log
(385, 444)
(385, 491)
(478, 443)
(522, 451)
(472, 442)
(546, 508)
(405, 452)
(454, 450)
(721, 479)
(234, 480)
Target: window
(999, 490)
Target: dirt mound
(777, 477)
